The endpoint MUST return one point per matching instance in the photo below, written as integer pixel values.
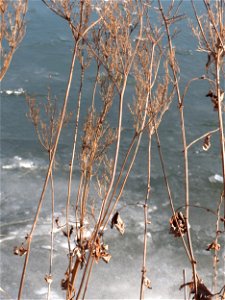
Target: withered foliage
(213, 246)
(147, 283)
(203, 293)
(70, 231)
(206, 143)
(22, 249)
(48, 278)
(178, 224)
(65, 283)
(99, 251)
(214, 99)
(118, 223)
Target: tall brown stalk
(210, 34)
(168, 21)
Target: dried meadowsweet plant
(117, 55)
(178, 224)
(12, 30)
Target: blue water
(45, 52)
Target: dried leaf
(118, 223)
(100, 251)
(178, 224)
(214, 98)
(57, 222)
(203, 293)
(20, 250)
(147, 283)
(106, 257)
(96, 252)
(213, 246)
(64, 283)
(78, 254)
(70, 232)
(48, 278)
(207, 144)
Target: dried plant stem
(115, 161)
(185, 152)
(120, 115)
(73, 279)
(185, 286)
(70, 287)
(63, 112)
(139, 135)
(212, 21)
(49, 281)
(95, 87)
(108, 214)
(215, 257)
(144, 269)
(202, 137)
(116, 155)
(169, 191)
(200, 27)
(221, 125)
(87, 280)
